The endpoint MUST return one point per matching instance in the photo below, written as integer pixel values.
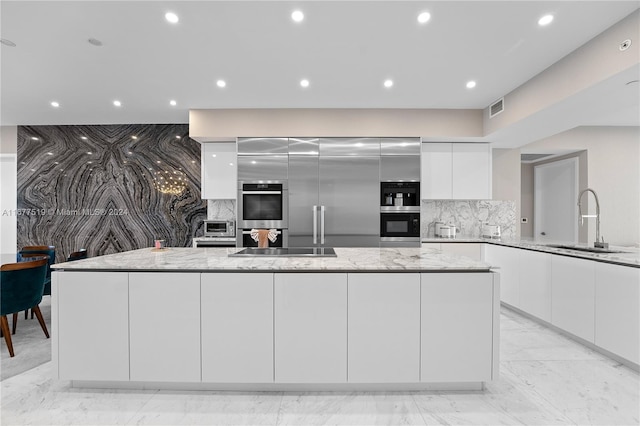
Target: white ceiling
(345, 49)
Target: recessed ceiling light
(297, 16)
(178, 137)
(171, 17)
(304, 82)
(471, 84)
(55, 104)
(7, 42)
(221, 83)
(117, 103)
(95, 42)
(173, 103)
(84, 138)
(134, 137)
(545, 20)
(231, 164)
(388, 83)
(424, 17)
(33, 138)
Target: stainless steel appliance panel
(400, 146)
(262, 146)
(303, 191)
(353, 147)
(349, 189)
(263, 168)
(400, 168)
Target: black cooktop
(286, 252)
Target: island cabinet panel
(93, 325)
(457, 327)
(617, 310)
(384, 328)
(573, 295)
(471, 250)
(535, 283)
(507, 259)
(310, 327)
(237, 327)
(164, 326)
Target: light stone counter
(212, 259)
(630, 256)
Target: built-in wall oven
(263, 205)
(399, 214)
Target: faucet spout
(598, 242)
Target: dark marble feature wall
(92, 187)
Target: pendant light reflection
(170, 182)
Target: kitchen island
(195, 318)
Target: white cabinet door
(164, 326)
(617, 307)
(471, 171)
(384, 328)
(573, 295)
(535, 283)
(457, 327)
(93, 325)
(310, 328)
(436, 171)
(237, 328)
(219, 178)
(472, 250)
(506, 258)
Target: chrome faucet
(598, 243)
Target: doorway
(555, 201)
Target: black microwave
(399, 224)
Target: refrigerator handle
(315, 224)
(321, 224)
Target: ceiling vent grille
(496, 108)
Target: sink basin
(583, 248)
(286, 252)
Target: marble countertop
(216, 259)
(630, 256)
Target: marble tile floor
(546, 379)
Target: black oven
(400, 226)
(263, 205)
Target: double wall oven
(263, 205)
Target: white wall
(613, 171)
(8, 188)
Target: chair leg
(15, 323)
(4, 324)
(26, 314)
(31, 313)
(36, 309)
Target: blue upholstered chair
(21, 288)
(77, 255)
(33, 251)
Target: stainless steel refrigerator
(334, 192)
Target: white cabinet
(456, 171)
(471, 171)
(310, 327)
(237, 327)
(219, 177)
(164, 326)
(535, 283)
(384, 328)
(507, 259)
(457, 327)
(573, 295)
(617, 305)
(471, 250)
(93, 325)
(436, 171)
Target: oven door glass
(247, 241)
(399, 225)
(261, 206)
(217, 228)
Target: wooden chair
(21, 288)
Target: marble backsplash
(221, 209)
(468, 216)
(97, 187)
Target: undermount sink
(583, 248)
